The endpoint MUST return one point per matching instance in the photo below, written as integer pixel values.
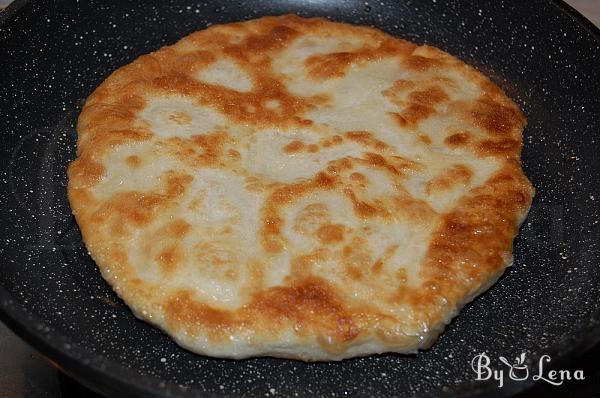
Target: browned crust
(470, 245)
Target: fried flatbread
(299, 188)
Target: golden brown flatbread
(299, 188)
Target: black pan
(544, 54)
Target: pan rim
(112, 377)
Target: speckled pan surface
(54, 53)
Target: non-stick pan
(542, 53)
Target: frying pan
(542, 53)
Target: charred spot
(211, 144)
(425, 139)
(359, 178)
(456, 175)
(334, 65)
(331, 233)
(495, 118)
(85, 172)
(302, 265)
(183, 311)
(505, 146)
(420, 105)
(364, 209)
(302, 301)
(234, 154)
(190, 62)
(135, 207)
(274, 39)
(169, 258)
(458, 139)
(178, 228)
(133, 161)
(177, 184)
(428, 97)
(422, 64)
(327, 66)
(458, 226)
(323, 180)
(354, 272)
(377, 160)
(272, 225)
(399, 86)
(377, 266)
(294, 147)
(366, 138)
(472, 236)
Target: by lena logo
(519, 370)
